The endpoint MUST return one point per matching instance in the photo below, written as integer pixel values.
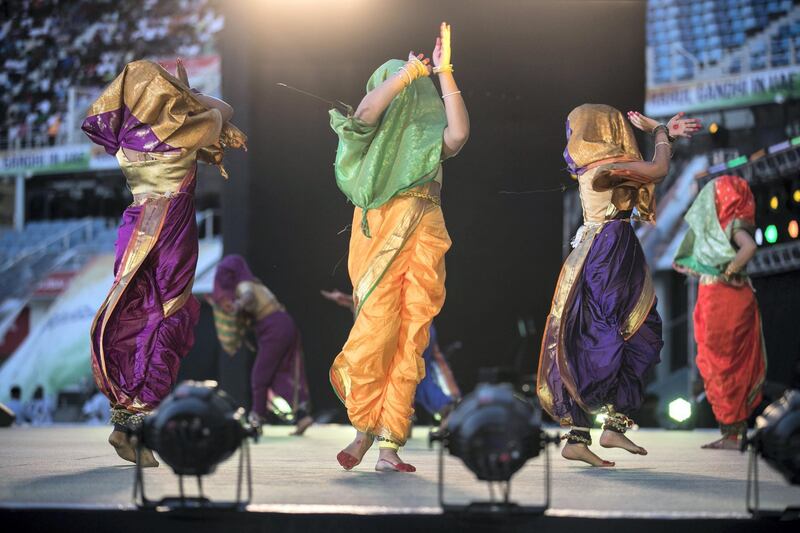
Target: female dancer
(389, 165)
(242, 302)
(158, 129)
(603, 332)
(727, 325)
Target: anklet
(617, 422)
(576, 436)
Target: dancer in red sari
(727, 324)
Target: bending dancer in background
(437, 398)
(727, 324)
(158, 129)
(278, 378)
(603, 333)
(389, 165)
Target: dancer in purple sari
(278, 378)
(158, 129)
(603, 333)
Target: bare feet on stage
(302, 425)
(125, 449)
(119, 440)
(612, 439)
(581, 452)
(389, 461)
(352, 455)
(725, 443)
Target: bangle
(450, 94)
(662, 143)
(407, 74)
(660, 126)
(443, 68)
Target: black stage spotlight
(777, 440)
(194, 429)
(494, 432)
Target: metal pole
(691, 347)
(19, 202)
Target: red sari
(730, 348)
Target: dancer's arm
(457, 131)
(677, 126)
(340, 298)
(376, 101)
(747, 249)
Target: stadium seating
(686, 38)
(48, 47)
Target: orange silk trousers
(398, 280)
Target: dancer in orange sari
(389, 165)
(727, 324)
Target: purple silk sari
(143, 343)
(145, 325)
(606, 368)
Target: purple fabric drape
(607, 368)
(143, 349)
(120, 129)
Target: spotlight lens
(773, 203)
(680, 410)
(713, 128)
(771, 234)
(796, 196)
(759, 236)
(794, 229)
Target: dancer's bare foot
(725, 443)
(352, 455)
(581, 452)
(302, 425)
(147, 459)
(612, 439)
(389, 461)
(119, 440)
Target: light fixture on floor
(679, 410)
(494, 432)
(777, 440)
(194, 429)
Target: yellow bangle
(407, 74)
(450, 94)
(443, 68)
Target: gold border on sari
(391, 247)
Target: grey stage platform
(74, 465)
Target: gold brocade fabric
(264, 302)
(175, 115)
(600, 137)
(163, 174)
(600, 132)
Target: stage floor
(74, 465)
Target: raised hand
(642, 122)
(683, 127)
(180, 72)
(441, 51)
(421, 63)
(677, 125)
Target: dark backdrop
(522, 65)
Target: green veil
(376, 162)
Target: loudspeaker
(7, 416)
